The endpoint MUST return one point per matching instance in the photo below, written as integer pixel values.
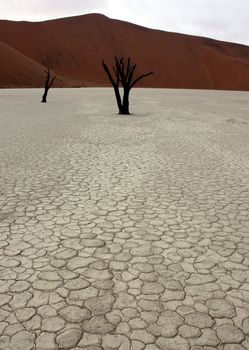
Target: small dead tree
(48, 83)
(123, 75)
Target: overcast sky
(220, 19)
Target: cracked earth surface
(126, 233)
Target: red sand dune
(75, 46)
(17, 70)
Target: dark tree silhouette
(123, 75)
(48, 83)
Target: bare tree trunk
(125, 106)
(123, 74)
(48, 83)
(44, 96)
(118, 99)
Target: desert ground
(124, 232)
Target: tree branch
(51, 82)
(131, 74)
(141, 77)
(108, 73)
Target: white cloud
(45, 9)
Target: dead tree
(48, 83)
(123, 76)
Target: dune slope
(74, 47)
